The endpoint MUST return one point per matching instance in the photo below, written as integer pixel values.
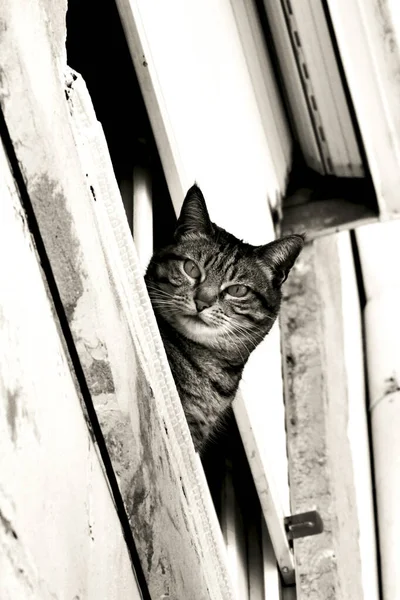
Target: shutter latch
(303, 525)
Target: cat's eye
(237, 291)
(191, 268)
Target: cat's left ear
(280, 255)
(194, 214)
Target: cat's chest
(203, 377)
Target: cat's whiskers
(166, 306)
(239, 331)
(235, 345)
(234, 340)
(268, 317)
(157, 290)
(160, 297)
(247, 339)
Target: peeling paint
(391, 385)
(145, 477)
(100, 378)
(388, 32)
(12, 412)
(55, 220)
(8, 528)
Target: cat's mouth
(197, 318)
(196, 328)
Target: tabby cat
(215, 298)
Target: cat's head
(215, 289)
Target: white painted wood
(203, 108)
(319, 78)
(265, 88)
(103, 295)
(142, 215)
(261, 457)
(271, 575)
(357, 426)
(301, 121)
(214, 525)
(370, 49)
(232, 527)
(59, 532)
(378, 247)
(323, 73)
(394, 12)
(132, 296)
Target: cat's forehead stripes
(210, 261)
(219, 262)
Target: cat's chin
(197, 329)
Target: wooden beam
(60, 535)
(327, 423)
(324, 217)
(379, 248)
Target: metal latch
(303, 525)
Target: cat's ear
(194, 214)
(280, 255)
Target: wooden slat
(271, 582)
(322, 79)
(315, 90)
(369, 43)
(379, 247)
(116, 355)
(122, 259)
(204, 115)
(59, 532)
(255, 558)
(233, 530)
(265, 460)
(142, 215)
(327, 423)
(265, 88)
(288, 593)
(302, 122)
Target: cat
(215, 298)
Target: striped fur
(208, 321)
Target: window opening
(111, 80)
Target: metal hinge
(303, 525)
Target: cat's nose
(201, 304)
(205, 296)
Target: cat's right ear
(194, 214)
(280, 256)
